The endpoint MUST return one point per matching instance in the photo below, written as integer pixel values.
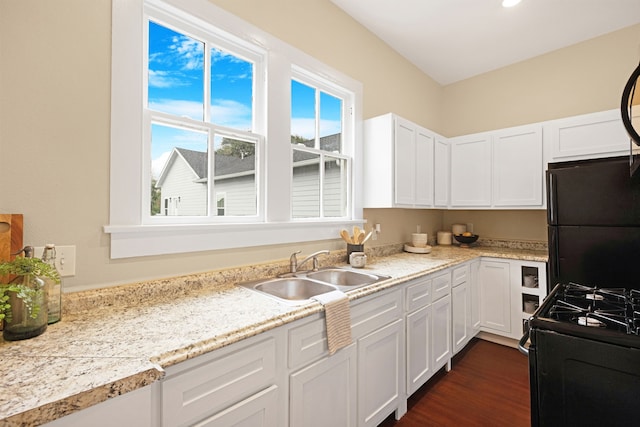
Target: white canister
(419, 240)
(444, 237)
(357, 259)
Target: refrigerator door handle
(554, 252)
(551, 185)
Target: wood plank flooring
(487, 386)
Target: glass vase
(27, 317)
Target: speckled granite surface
(116, 340)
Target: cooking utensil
(356, 232)
(345, 236)
(361, 237)
(367, 237)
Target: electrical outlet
(65, 259)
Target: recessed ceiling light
(509, 3)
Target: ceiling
(451, 40)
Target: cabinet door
(441, 332)
(495, 300)
(418, 348)
(441, 172)
(424, 168)
(405, 162)
(600, 134)
(518, 167)
(380, 373)
(259, 410)
(474, 285)
(324, 393)
(461, 308)
(471, 170)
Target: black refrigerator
(593, 216)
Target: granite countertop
(112, 341)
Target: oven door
(580, 382)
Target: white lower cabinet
(461, 308)
(380, 368)
(235, 386)
(509, 292)
(418, 323)
(324, 393)
(495, 296)
(441, 333)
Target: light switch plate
(65, 259)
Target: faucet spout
(294, 264)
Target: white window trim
(129, 237)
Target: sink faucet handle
(293, 262)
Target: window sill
(146, 240)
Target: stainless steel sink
(342, 277)
(294, 290)
(299, 288)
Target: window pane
(235, 176)
(334, 188)
(231, 91)
(179, 171)
(330, 123)
(306, 185)
(303, 114)
(176, 73)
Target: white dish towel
(337, 318)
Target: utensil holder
(354, 248)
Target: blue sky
(176, 81)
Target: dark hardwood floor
(487, 386)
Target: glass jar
(53, 287)
(27, 317)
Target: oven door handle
(523, 342)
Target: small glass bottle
(53, 289)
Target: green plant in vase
(23, 300)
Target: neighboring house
(183, 183)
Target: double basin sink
(299, 288)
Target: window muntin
(182, 71)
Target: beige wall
(55, 106)
(579, 79)
(54, 120)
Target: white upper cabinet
(471, 170)
(398, 166)
(441, 169)
(518, 167)
(587, 136)
(502, 169)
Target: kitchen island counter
(115, 340)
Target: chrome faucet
(293, 261)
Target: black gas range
(584, 357)
(610, 315)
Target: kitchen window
(201, 129)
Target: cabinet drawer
(375, 313)
(460, 275)
(217, 384)
(441, 286)
(307, 342)
(417, 294)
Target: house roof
(234, 165)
